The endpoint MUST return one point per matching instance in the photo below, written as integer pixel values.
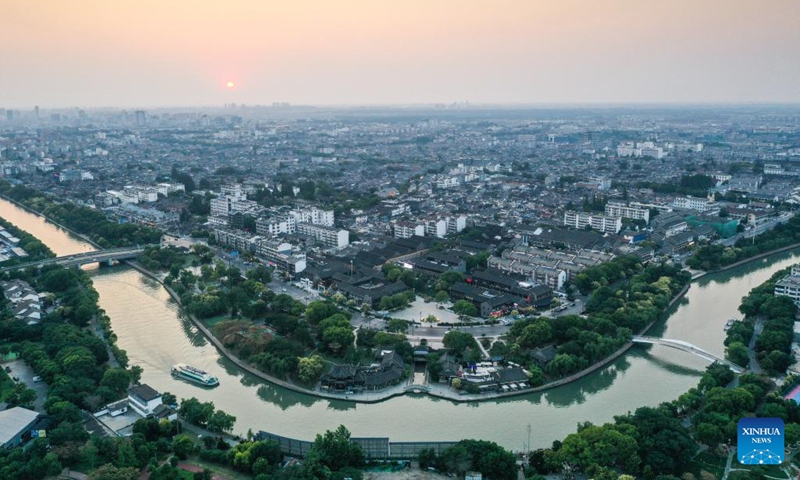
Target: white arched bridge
(97, 256)
(689, 348)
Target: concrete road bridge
(76, 260)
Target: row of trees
(35, 249)
(84, 220)
(204, 414)
(773, 346)
(488, 458)
(712, 257)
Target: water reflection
(341, 406)
(746, 269)
(192, 332)
(591, 385)
(286, 399)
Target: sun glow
(230, 84)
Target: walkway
(689, 348)
(751, 350)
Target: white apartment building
(167, 188)
(271, 226)
(789, 286)
(314, 216)
(281, 256)
(277, 254)
(601, 223)
(235, 191)
(436, 228)
(456, 224)
(408, 230)
(643, 149)
(693, 203)
(619, 210)
(329, 236)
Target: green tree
(196, 412)
(183, 446)
(737, 353)
(334, 450)
(221, 422)
(465, 307)
(458, 342)
(117, 379)
(338, 339)
(110, 472)
(310, 368)
(536, 334)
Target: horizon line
(461, 104)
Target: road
(25, 374)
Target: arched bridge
(416, 388)
(687, 347)
(78, 259)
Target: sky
(154, 53)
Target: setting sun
(230, 84)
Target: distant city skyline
(150, 54)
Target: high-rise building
(141, 118)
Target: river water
(152, 330)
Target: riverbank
(50, 220)
(748, 260)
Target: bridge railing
(687, 347)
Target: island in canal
(338, 345)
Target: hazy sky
(148, 53)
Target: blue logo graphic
(760, 441)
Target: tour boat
(194, 375)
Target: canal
(156, 335)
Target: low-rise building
(789, 286)
(16, 425)
(486, 300)
(25, 303)
(537, 295)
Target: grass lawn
(184, 475)
(220, 470)
(210, 322)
